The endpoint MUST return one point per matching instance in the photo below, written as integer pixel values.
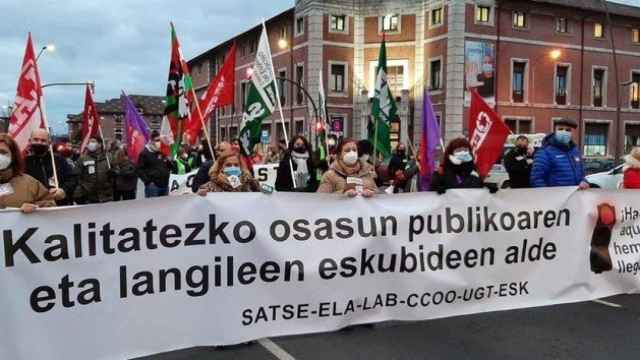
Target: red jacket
(632, 178)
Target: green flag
(261, 97)
(383, 107)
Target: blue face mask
(563, 136)
(232, 171)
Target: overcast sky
(119, 44)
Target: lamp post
(284, 44)
(49, 48)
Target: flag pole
(284, 128)
(375, 143)
(104, 146)
(46, 125)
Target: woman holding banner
(348, 174)
(229, 174)
(17, 189)
(457, 169)
(300, 156)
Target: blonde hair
(218, 166)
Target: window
(598, 30)
(117, 129)
(395, 78)
(253, 46)
(595, 139)
(223, 134)
(283, 32)
(562, 84)
(436, 17)
(300, 81)
(336, 81)
(282, 87)
(631, 137)
(299, 26)
(390, 23)
(635, 36)
(519, 126)
(519, 68)
(338, 23)
(634, 91)
(519, 20)
(598, 86)
(279, 133)
(435, 75)
(299, 127)
(562, 25)
(244, 87)
(233, 132)
(483, 14)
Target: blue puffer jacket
(556, 164)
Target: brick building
(112, 116)
(536, 61)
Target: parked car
(598, 165)
(609, 180)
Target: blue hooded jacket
(556, 164)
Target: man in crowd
(38, 164)
(95, 183)
(397, 165)
(559, 161)
(154, 168)
(518, 163)
(202, 176)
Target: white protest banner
(133, 278)
(266, 174)
(181, 184)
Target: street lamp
(555, 54)
(283, 44)
(249, 72)
(48, 48)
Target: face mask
(5, 161)
(350, 158)
(39, 149)
(563, 136)
(460, 157)
(299, 149)
(364, 157)
(487, 68)
(92, 147)
(232, 171)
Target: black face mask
(39, 149)
(401, 153)
(299, 149)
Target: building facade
(111, 116)
(536, 61)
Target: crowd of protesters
(43, 178)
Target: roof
(597, 6)
(151, 106)
(228, 42)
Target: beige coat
(26, 190)
(335, 180)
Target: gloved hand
(493, 188)
(441, 190)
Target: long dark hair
(307, 146)
(17, 162)
(453, 144)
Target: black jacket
(40, 168)
(455, 177)
(284, 181)
(153, 167)
(202, 176)
(519, 170)
(125, 175)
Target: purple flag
(429, 143)
(136, 131)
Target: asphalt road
(589, 330)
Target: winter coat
(220, 184)
(283, 179)
(631, 178)
(40, 168)
(518, 166)
(335, 179)
(202, 176)
(556, 164)
(26, 190)
(455, 177)
(125, 175)
(95, 181)
(153, 167)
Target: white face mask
(350, 158)
(5, 161)
(92, 146)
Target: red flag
(219, 93)
(487, 134)
(28, 113)
(90, 121)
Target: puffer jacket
(221, 184)
(335, 180)
(95, 182)
(556, 164)
(631, 173)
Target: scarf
(301, 161)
